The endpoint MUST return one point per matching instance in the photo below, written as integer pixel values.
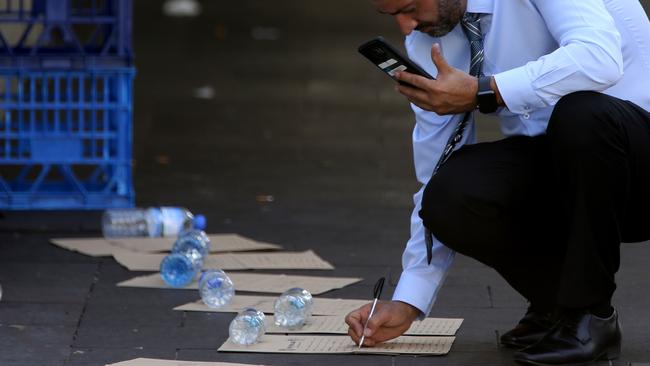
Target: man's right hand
(390, 320)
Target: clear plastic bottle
(293, 308)
(216, 288)
(248, 327)
(179, 268)
(151, 222)
(192, 239)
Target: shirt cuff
(419, 289)
(517, 92)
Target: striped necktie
(472, 27)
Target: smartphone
(389, 60)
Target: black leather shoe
(531, 328)
(578, 338)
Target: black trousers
(549, 212)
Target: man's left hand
(453, 91)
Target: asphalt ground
(251, 99)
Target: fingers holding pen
(356, 320)
(355, 337)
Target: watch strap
(486, 97)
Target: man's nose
(406, 23)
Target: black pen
(376, 294)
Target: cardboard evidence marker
(404, 345)
(229, 261)
(155, 362)
(100, 247)
(322, 306)
(256, 282)
(336, 325)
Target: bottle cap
(199, 222)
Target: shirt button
(526, 116)
(526, 107)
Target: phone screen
(389, 59)
(391, 66)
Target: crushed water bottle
(216, 288)
(151, 222)
(293, 308)
(248, 327)
(179, 268)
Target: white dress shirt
(538, 51)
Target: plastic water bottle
(216, 288)
(151, 222)
(248, 327)
(293, 308)
(179, 268)
(192, 239)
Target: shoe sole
(514, 345)
(610, 354)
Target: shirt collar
(480, 6)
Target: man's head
(434, 17)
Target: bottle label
(173, 219)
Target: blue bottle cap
(199, 222)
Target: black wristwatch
(486, 97)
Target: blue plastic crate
(65, 33)
(65, 138)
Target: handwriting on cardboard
(407, 345)
(336, 325)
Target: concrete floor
(303, 118)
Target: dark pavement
(302, 118)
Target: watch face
(487, 109)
